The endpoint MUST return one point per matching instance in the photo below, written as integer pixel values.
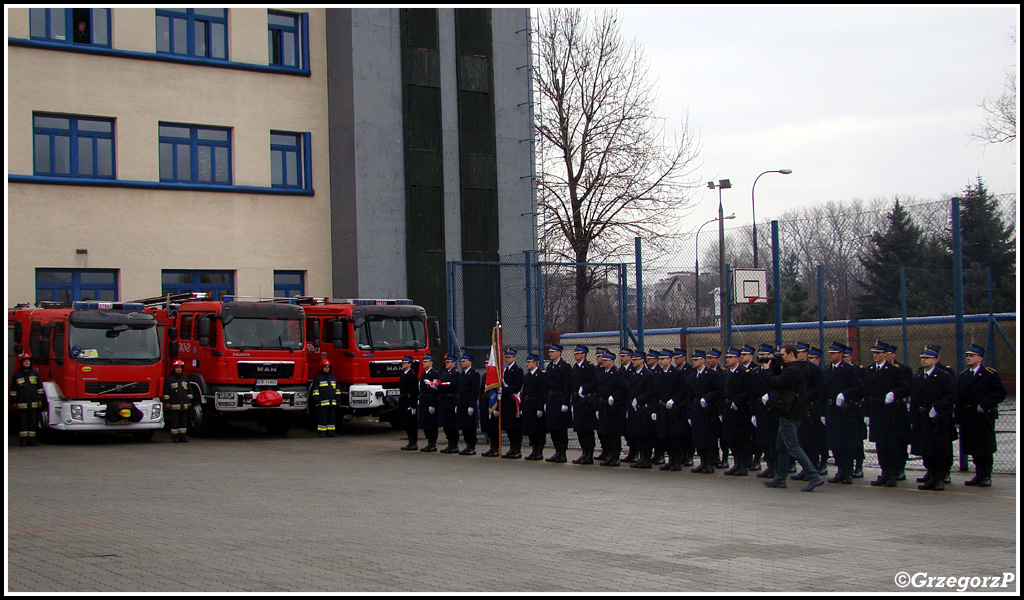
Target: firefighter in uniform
(766, 424)
(583, 421)
(558, 390)
(908, 375)
(408, 401)
(532, 403)
(885, 389)
(610, 389)
(511, 405)
(682, 424)
(932, 400)
(860, 411)
(702, 412)
(673, 393)
(735, 413)
(325, 397)
(468, 396)
(177, 401)
(843, 390)
(447, 402)
(26, 390)
(428, 404)
(638, 411)
(979, 392)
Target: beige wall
(140, 232)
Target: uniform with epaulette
(683, 424)
(467, 394)
(557, 403)
(843, 391)
(638, 411)
(908, 374)
(671, 392)
(735, 412)
(428, 404)
(713, 358)
(766, 424)
(409, 401)
(932, 401)
(447, 403)
(702, 412)
(511, 404)
(532, 402)
(610, 390)
(980, 389)
(885, 390)
(584, 421)
(861, 412)
(26, 391)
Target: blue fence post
(529, 295)
(639, 298)
(821, 308)
(777, 283)
(903, 311)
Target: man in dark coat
(557, 403)
(409, 401)
(468, 398)
(766, 425)
(672, 390)
(702, 412)
(843, 391)
(610, 389)
(683, 425)
(932, 401)
(860, 410)
(447, 384)
(735, 412)
(638, 411)
(428, 404)
(787, 391)
(885, 390)
(979, 392)
(532, 403)
(908, 374)
(584, 423)
(511, 405)
(812, 429)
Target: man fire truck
(365, 340)
(100, 364)
(244, 359)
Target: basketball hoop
(759, 299)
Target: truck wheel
(143, 436)
(43, 431)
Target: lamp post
(696, 270)
(722, 292)
(782, 171)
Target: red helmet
(325, 363)
(24, 356)
(177, 363)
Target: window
(193, 154)
(284, 38)
(289, 284)
(216, 283)
(70, 285)
(185, 332)
(70, 25)
(287, 168)
(194, 32)
(71, 146)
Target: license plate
(393, 392)
(121, 422)
(266, 382)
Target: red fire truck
(100, 363)
(246, 360)
(365, 340)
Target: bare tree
(1001, 112)
(609, 171)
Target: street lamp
(722, 295)
(784, 172)
(696, 269)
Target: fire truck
(100, 364)
(365, 340)
(245, 360)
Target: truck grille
(391, 368)
(267, 370)
(103, 388)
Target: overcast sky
(860, 102)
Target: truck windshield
(113, 344)
(263, 334)
(392, 333)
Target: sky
(861, 102)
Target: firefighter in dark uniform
(713, 359)
(811, 432)
(766, 424)
(979, 392)
(428, 404)
(447, 402)
(683, 425)
(860, 410)
(178, 400)
(610, 389)
(843, 391)
(511, 405)
(468, 397)
(26, 391)
(409, 401)
(557, 403)
(735, 412)
(584, 423)
(532, 403)
(932, 402)
(638, 411)
(325, 398)
(702, 412)
(885, 389)
(673, 392)
(627, 369)
(908, 374)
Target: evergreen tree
(988, 240)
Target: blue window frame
(69, 285)
(70, 25)
(216, 283)
(286, 40)
(195, 154)
(72, 146)
(289, 284)
(195, 32)
(288, 164)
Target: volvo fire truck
(100, 364)
(246, 360)
(365, 340)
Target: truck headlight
(77, 412)
(226, 396)
(155, 413)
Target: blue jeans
(786, 443)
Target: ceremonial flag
(493, 378)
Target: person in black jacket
(610, 388)
(702, 412)
(735, 412)
(885, 390)
(932, 400)
(26, 390)
(766, 425)
(812, 429)
(843, 391)
(979, 392)
(178, 400)
(408, 401)
(511, 405)
(557, 403)
(428, 404)
(468, 394)
(532, 403)
(787, 392)
(447, 403)
(584, 423)
(638, 411)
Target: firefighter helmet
(325, 363)
(177, 363)
(24, 356)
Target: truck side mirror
(172, 349)
(204, 331)
(172, 333)
(42, 350)
(435, 333)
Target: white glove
(840, 399)
(933, 413)
(635, 406)
(430, 409)
(470, 411)
(867, 420)
(753, 421)
(981, 409)
(434, 384)
(764, 399)
(703, 403)
(733, 406)
(611, 401)
(721, 419)
(890, 398)
(654, 416)
(597, 414)
(581, 391)
(823, 420)
(690, 422)
(412, 410)
(540, 414)
(565, 408)
(670, 404)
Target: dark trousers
(889, 458)
(469, 435)
(844, 460)
(28, 422)
(560, 440)
(177, 421)
(587, 441)
(431, 434)
(740, 454)
(451, 434)
(413, 434)
(326, 418)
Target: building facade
(264, 152)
